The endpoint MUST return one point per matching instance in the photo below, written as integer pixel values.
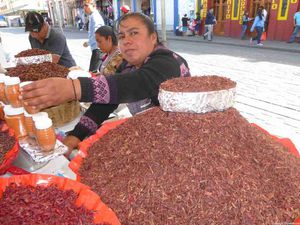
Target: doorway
(146, 7)
(219, 7)
(254, 5)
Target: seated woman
(136, 82)
(96, 113)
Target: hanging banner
(228, 10)
(204, 9)
(242, 9)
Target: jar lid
(44, 123)
(74, 74)
(11, 111)
(22, 84)
(12, 81)
(3, 78)
(38, 115)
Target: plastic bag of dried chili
(9, 154)
(84, 145)
(86, 198)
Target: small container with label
(37, 116)
(45, 134)
(15, 119)
(12, 92)
(29, 124)
(2, 88)
(29, 109)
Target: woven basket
(63, 113)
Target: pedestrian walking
(184, 21)
(296, 27)
(245, 24)
(210, 21)
(95, 21)
(197, 22)
(258, 25)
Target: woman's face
(104, 44)
(135, 43)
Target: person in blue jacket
(210, 21)
(258, 24)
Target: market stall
(193, 160)
(199, 160)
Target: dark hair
(107, 31)
(146, 20)
(33, 22)
(259, 13)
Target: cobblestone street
(268, 92)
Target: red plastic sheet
(11, 155)
(86, 197)
(84, 145)
(77, 161)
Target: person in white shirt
(95, 21)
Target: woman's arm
(131, 86)
(115, 89)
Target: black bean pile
(42, 205)
(198, 84)
(39, 71)
(6, 143)
(182, 168)
(32, 52)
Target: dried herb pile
(198, 84)
(41, 205)
(6, 143)
(32, 52)
(38, 71)
(181, 168)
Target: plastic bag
(86, 197)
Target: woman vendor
(146, 65)
(97, 113)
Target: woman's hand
(72, 143)
(48, 92)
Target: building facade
(279, 23)
(228, 13)
(15, 10)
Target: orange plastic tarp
(86, 197)
(84, 145)
(12, 154)
(105, 128)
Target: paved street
(268, 90)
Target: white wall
(169, 8)
(186, 7)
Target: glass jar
(2, 88)
(12, 92)
(15, 119)
(29, 109)
(29, 124)
(45, 134)
(36, 116)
